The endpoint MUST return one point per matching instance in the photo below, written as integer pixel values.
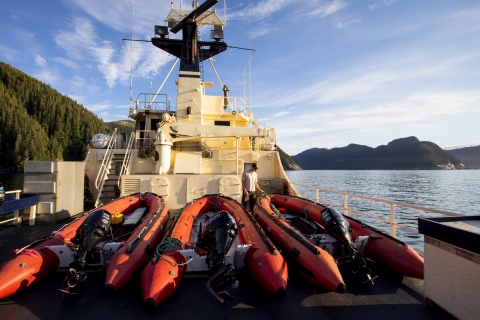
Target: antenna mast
(131, 52)
(249, 64)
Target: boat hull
(134, 252)
(161, 277)
(32, 264)
(315, 264)
(382, 248)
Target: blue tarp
(25, 201)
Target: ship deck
(392, 296)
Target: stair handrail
(103, 172)
(127, 159)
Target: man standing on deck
(249, 185)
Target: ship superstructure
(203, 145)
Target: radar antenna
(189, 49)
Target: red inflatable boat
(314, 263)
(92, 242)
(376, 244)
(214, 235)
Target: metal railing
(393, 204)
(144, 138)
(16, 213)
(105, 167)
(148, 101)
(127, 159)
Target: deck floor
(392, 296)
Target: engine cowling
(93, 230)
(338, 227)
(217, 237)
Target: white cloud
(279, 114)
(48, 76)
(383, 3)
(23, 35)
(328, 8)
(344, 24)
(261, 31)
(83, 45)
(264, 9)
(118, 14)
(67, 62)
(40, 61)
(348, 119)
(260, 10)
(9, 54)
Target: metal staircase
(106, 181)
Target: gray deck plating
(392, 297)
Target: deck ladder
(105, 167)
(126, 165)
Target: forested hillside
(39, 123)
(405, 153)
(287, 162)
(127, 126)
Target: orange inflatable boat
(315, 264)
(214, 235)
(100, 239)
(366, 240)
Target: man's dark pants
(249, 201)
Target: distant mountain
(39, 123)
(470, 156)
(287, 162)
(399, 154)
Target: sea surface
(455, 191)
(12, 181)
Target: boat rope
(28, 252)
(171, 245)
(275, 210)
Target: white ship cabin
(201, 147)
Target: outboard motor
(217, 238)
(93, 230)
(336, 225)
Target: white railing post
(17, 212)
(393, 226)
(33, 215)
(345, 204)
(317, 198)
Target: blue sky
(325, 73)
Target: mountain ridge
(468, 155)
(399, 154)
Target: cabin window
(222, 123)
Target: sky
(323, 73)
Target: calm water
(449, 190)
(12, 181)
